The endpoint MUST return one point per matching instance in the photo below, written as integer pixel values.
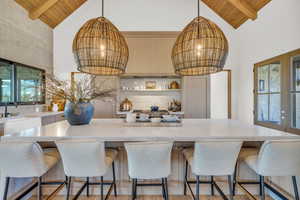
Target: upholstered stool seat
(110, 156)
(245, 152)
(188, 155)
(26, 160)
(87, 158)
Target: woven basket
(200, 49)
(99, 48)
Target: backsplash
(22, 109)
(145, 102)
(144, 92)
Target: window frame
(15, 88)
(286, 89)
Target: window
(6, 83)
(21, 84)
(277, 92)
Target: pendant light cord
(198, 7)
(102, 8)
(198, 22)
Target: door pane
(6, 83)
(274, 115)
(263, 79)
(263, 107)
(296, 110)
(275, 77)
(295, 93)
(296, 73)
(29, 83)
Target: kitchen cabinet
(196, 96)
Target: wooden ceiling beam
(245, 8)
(37, 12)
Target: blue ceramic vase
(79, 114)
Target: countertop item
(116, 130)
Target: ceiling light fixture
(99, 48)
(200, 49)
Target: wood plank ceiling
(53, 12)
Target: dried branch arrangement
(80, 91)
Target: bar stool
(275, 158)
(211, 158)
(87, 158)
(26, 160)
(244, 153)
(149, 161)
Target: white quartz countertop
(30, 115)
(116, 130)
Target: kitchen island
(115, 131)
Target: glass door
(277, 92)
(294, 93)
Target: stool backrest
(149, 160)
(215, 157)
(21, 159)
(279, 158)
(83, 158)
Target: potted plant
(78, 94)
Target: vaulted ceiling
(53, 12)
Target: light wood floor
(152, 198)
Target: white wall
(276, 31)
(24, 40)
(138, 15)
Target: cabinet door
(196, 97)
(220, 95)
(105, 108)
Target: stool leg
(6, 188)
(40, 192)
(132, 191)
(212, 189)
(295, 187)
(101, 188)
(68, 187)
(134, 188)
(230, 187)
(234, 179)
(198, 188)
(114, 178)
(262, 186)
(185, 177)
(163, 188)
(166, 189)
(87, 186)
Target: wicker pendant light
(99, 48)
(200, 49)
